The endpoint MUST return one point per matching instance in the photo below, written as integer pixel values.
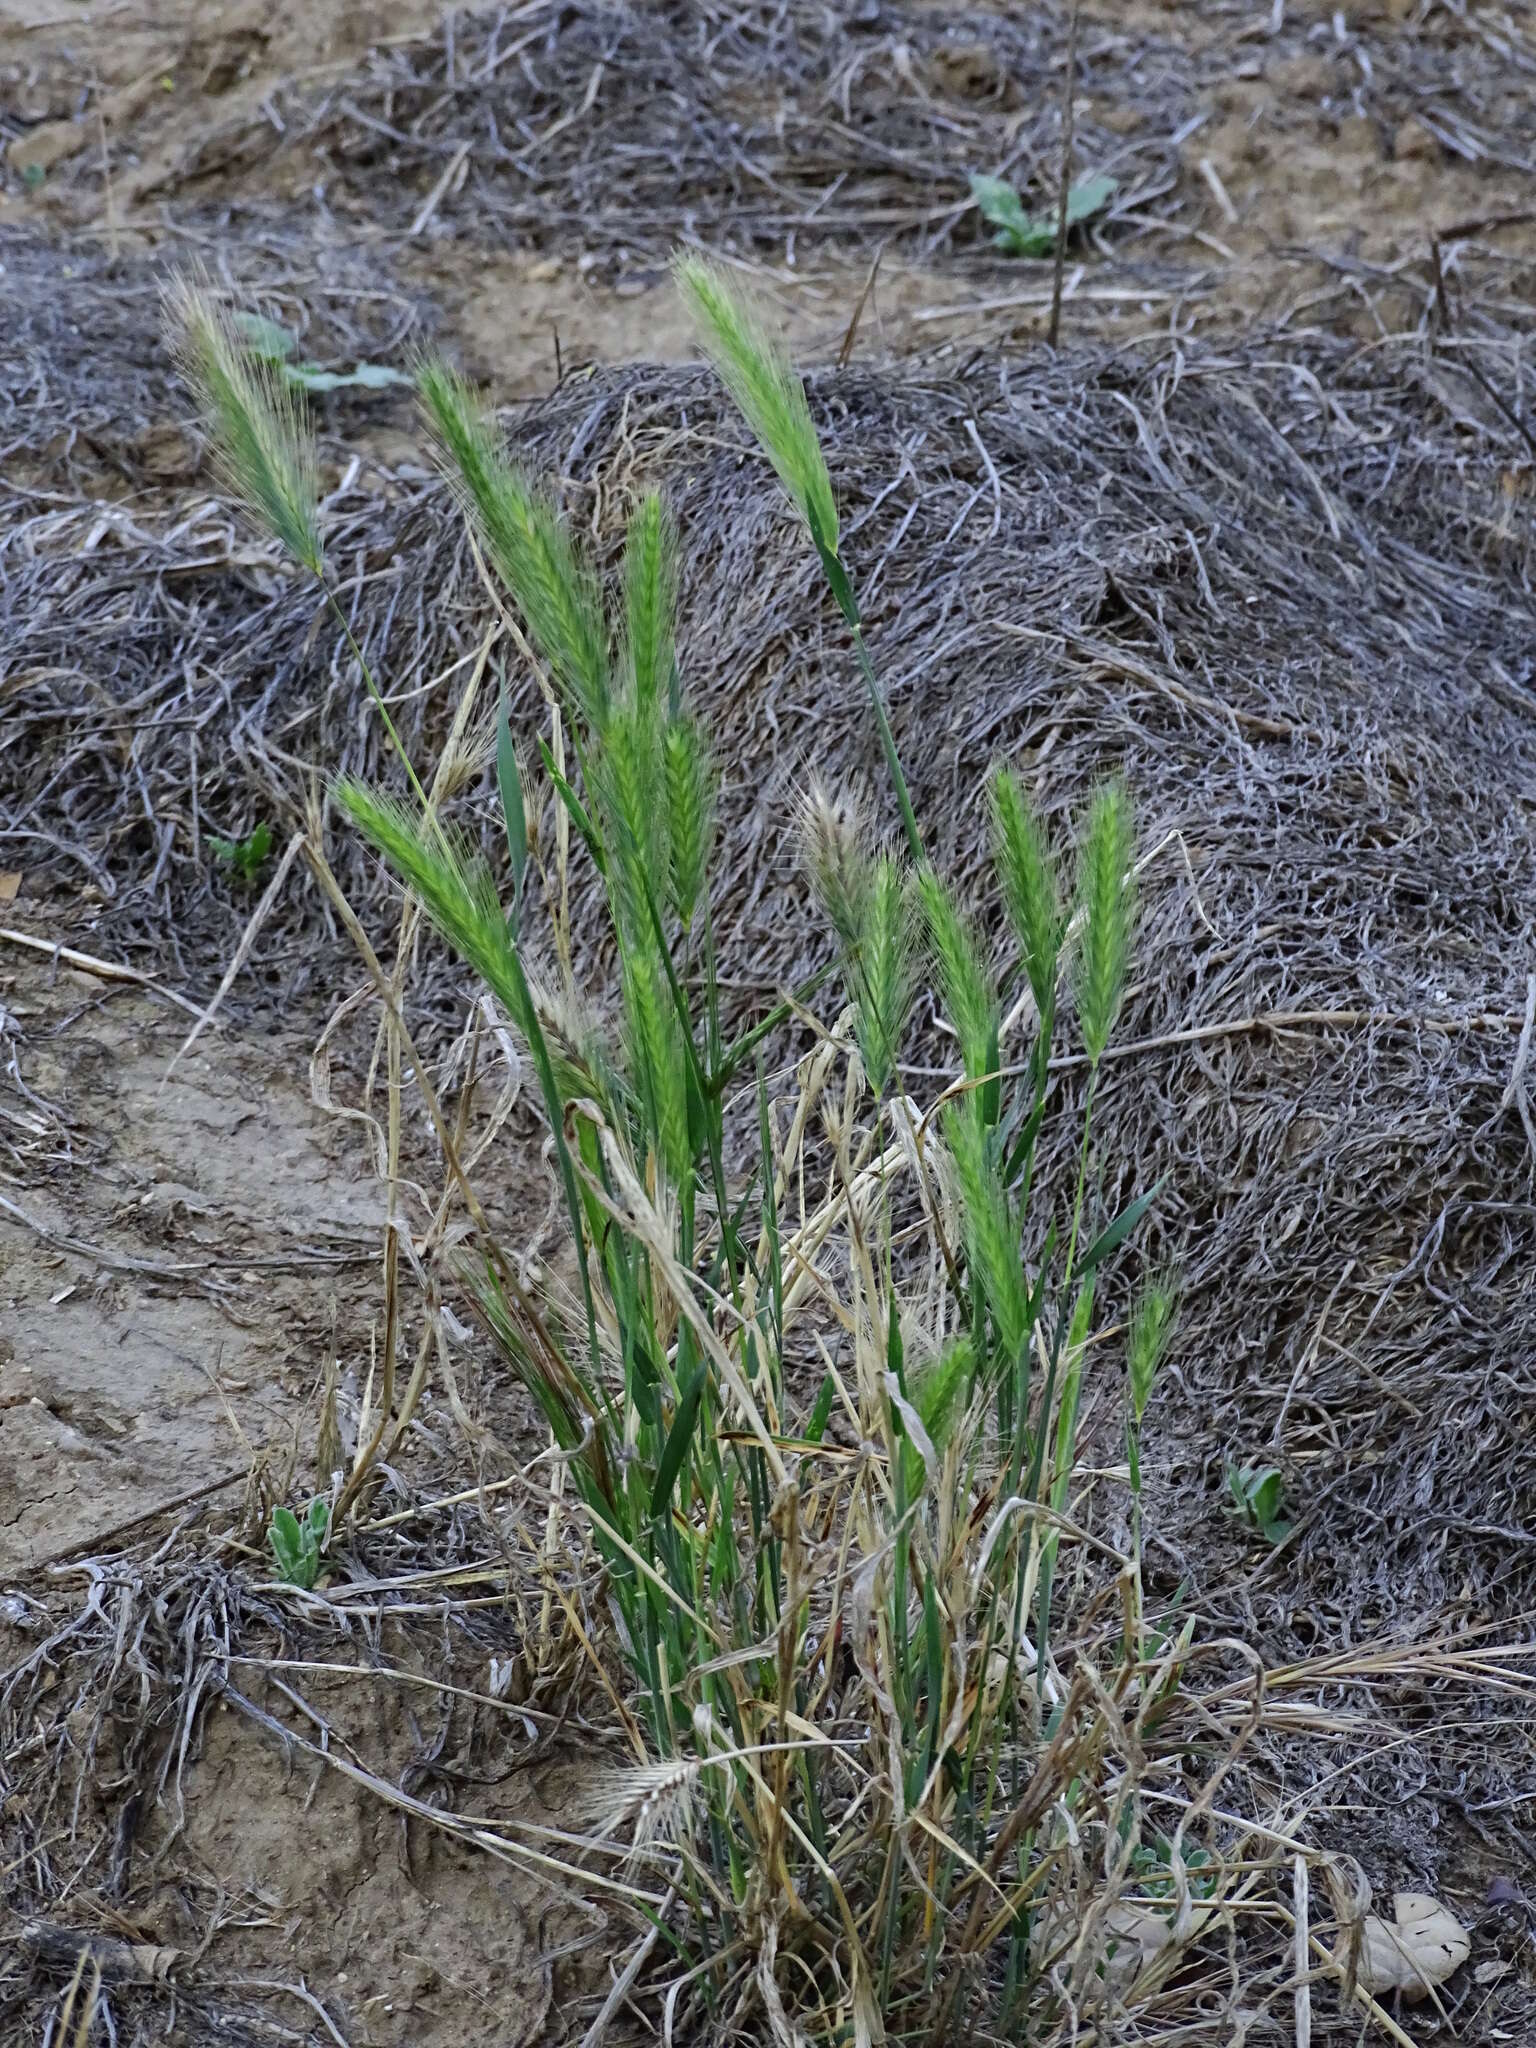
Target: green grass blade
(741, 1049)
(1114, 1234)
(821, 1412)
(575, 808)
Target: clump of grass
(829, 1474)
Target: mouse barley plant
(819, 1366)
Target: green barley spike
(1106, 897)
(941, 1392)
(884, 972)
(658, 1060)
(627, 768)
(1152, 1321)
(266, 452)
(690, 813)
(969, 995)
(991, 1235)
(526, 542)
(1028, 877)
(454, 886)
(762, 381)
(650, 585)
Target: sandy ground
(193, 1239)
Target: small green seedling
(296, 1544)
(1034, 234)
(276, 346)
(1152, 1867)
(32, 177)
(1258, 1495)
(245, 857)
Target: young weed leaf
(1034, 234)
(276, 345)
(296, 1544)
(245, 858)
(1258, 1496)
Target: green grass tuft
(819, 1417)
